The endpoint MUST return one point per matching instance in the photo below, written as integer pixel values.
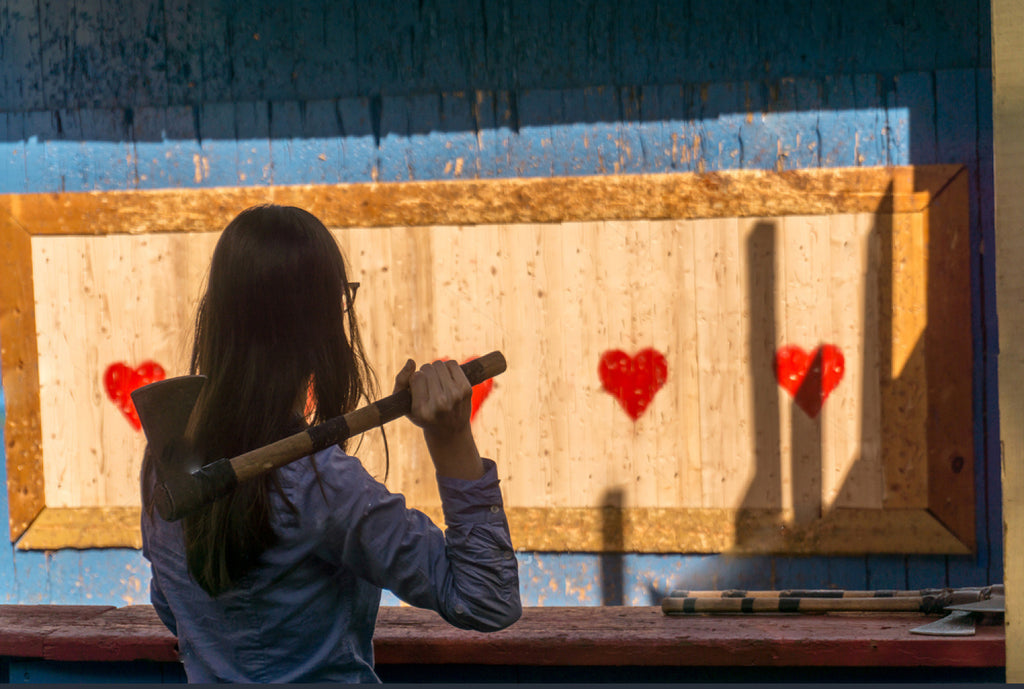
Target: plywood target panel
(736, 362)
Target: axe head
(164, 408)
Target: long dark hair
(270, 328)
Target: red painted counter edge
(583, 636)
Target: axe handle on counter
(928, 601)
(675, 606)
(961, 594)
(177, 498)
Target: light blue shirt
(307, 612)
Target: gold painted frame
(928, 207)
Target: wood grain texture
(24, 628)
(609, 528)
(84, 527)
(550, 636)
(190, 52)
(107, 286)
(949, 350)
(20, 361)
(645, 636)
(1008, 164)
(526, 287)
(738, 193)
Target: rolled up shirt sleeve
(468, 574)
(479, 552)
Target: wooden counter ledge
(549, 636)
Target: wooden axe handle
(177, 498)
(675, 606)
(336, 430)
(926, 600)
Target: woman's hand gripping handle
(441, 405)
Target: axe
(929, 601)
(184, 483)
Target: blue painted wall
(116, 94)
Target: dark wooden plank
(984, 190)
(869, 100)
(215, 43)
(461, 158)
(645, 636)
(393, 147)
(940, 36)
(383, 59)
(808, 95)
(359, 129)
(887, 572)
(536, 35)
(167, 151)
(21, 77)
(632, 130)
(129, 633)
(496, 122)
(71, 54)
(924, 571)
(218, 145)
(548, 636)
(90, 150)
(866, 43)
(183, 51)
(56, 22)
(293, 160)
(959, 136)
(530, 152)
(321, 146)
(839, 123)
(587, 143)
(24, 628)
(279, 38)
(246, 52)
(600, 40)
(678, 114)
(800, 573)
(721, 122)
(329, 51)
(426, 156)
(911, 119)
(12, 153)
(252, 129)
(135, 33)
(781, 130)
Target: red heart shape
(120, 380)
(809, 378)
(633, 380)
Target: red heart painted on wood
(633, 380)
(809, 378)
(120, 380)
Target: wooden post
(1008, 164)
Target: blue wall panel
(192, 93)
(218, 146)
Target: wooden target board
(747, 362)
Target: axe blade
(164, 408)
(956, 623)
